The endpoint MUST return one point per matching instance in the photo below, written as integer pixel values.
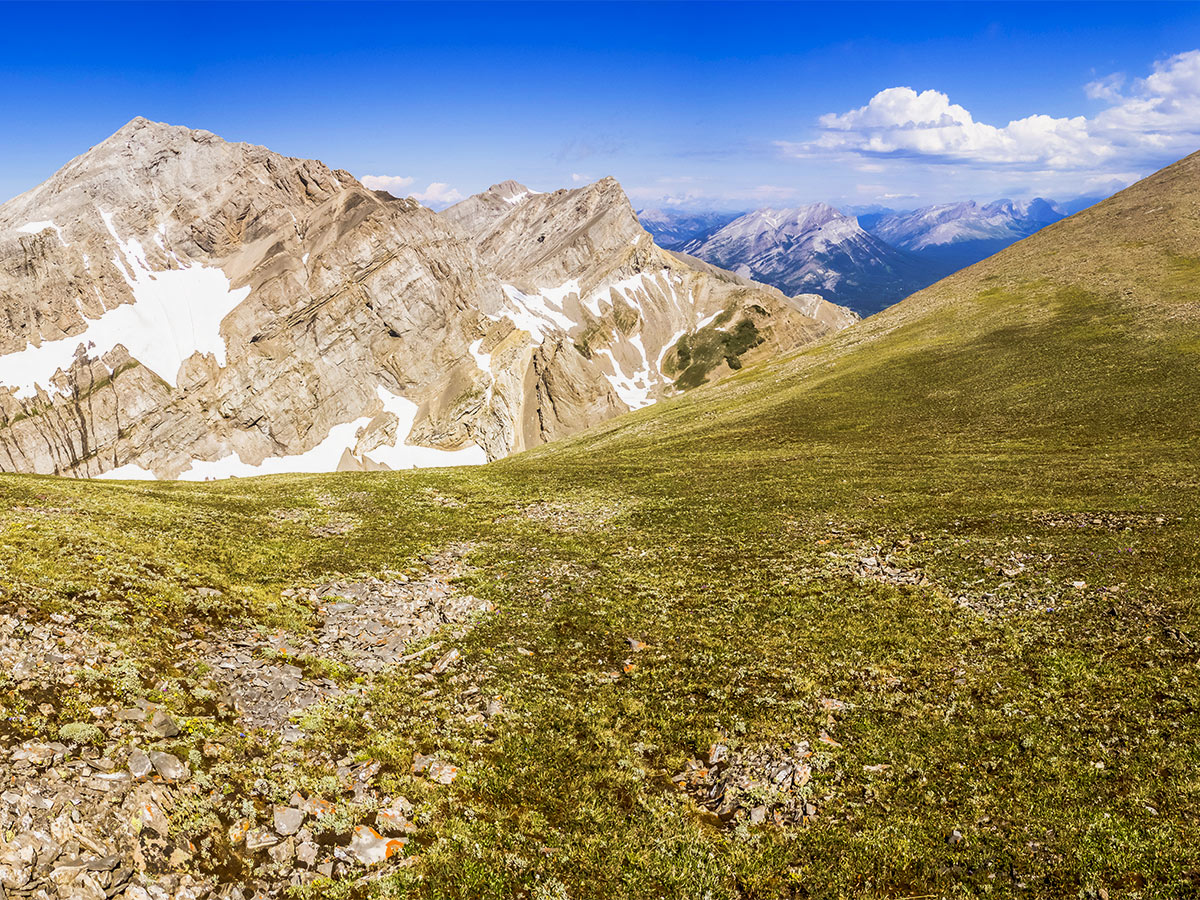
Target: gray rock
(306, 853)
(169, 766)
(258, 838)
(283, 852)
(140, 765)
(449, 658)
(163, 725)
(288, 819)
(370, 848)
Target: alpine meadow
(571, 566)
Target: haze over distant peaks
(814, 249)
(673, 228)
(866, 262)
(1001, 222)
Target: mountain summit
(181, 306)
(818, 249)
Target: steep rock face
(481, 210)
(815, 249)
(606, 307)
(180, 306)
(234, 306)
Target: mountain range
(815, 249)
(956, 235)
(866, 262)
(181, 306)
(674, 228)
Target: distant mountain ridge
(952, 236)
(673, 228)
(951, 223)
(815, 249)
(866, 262)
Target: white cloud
(579, 179)
(1160, 110)
(393, 184)
(899, 121)
(1106, 88)
(437, 195)
(1149, 121)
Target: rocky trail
(100, 812)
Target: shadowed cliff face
(178, 305)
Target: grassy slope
(1039, 406)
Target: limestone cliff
(179, 306)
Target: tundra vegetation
(940, 570)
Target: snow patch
(328, 453)
(483, 360)
(401, 455)
(322, 458)
(536, 313)
(633, 390)
(625, 286)
(39, 227)
(175, 314)
(128, 472)
(667, 349)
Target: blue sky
(703, 104)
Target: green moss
(80, 733)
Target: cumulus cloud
(437, 195)
(578, 177)
(1160, 110)
(393, 184)
(899, 121)
(1146, 120)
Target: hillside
(908, 613)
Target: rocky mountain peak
(509, 190)
(813, 249)
(182, 306)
